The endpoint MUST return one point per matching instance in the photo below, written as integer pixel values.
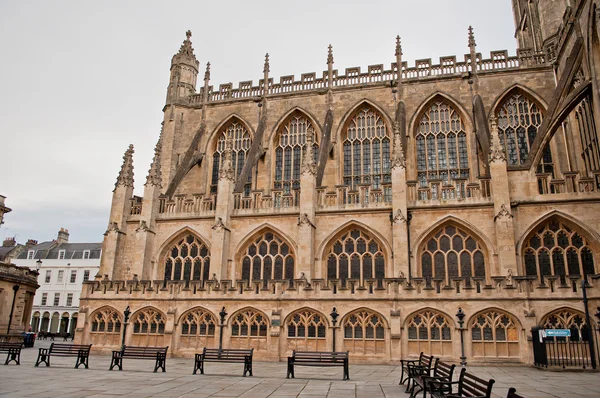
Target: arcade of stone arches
(490, 333)
(54, 322)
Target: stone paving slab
(225, 380)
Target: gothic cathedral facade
(361, 209)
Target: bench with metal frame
(159, 354)
(417, 367)
(224, 355)
(442, 372)
(318, 358)
(81, 351)
(468, 386)
(13, 351)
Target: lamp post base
(463, 362)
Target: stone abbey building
(393, 195)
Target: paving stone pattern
(225, 380)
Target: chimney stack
(31, 242)
(9, 242)
(63, 236)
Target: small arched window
(289, 151)
(554, 249)
(148, 321)
(519, 119)
(249, 323)
(494, 334)
(429, 331)
(198, 322)
(187, 259)
(364, 333)
(241, 140)
(567, 319)
(367, 151)
(452, 253)
(267, 258)
(356, 255)
(442, 152)
(306, 325)
(106, 320)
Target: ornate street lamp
(126, 314)
(461, 316)
(222, 314)
(334, 317)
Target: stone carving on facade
(303, 219)
(309, 166)
(496, 151)
(398, 159)
(579, 78)
(529, 312)
(306, 282)
(226, 172)
(503, 214)
(143, 227)
(509, 277)
(125, 177)
(398, 217)
(220, 225)
(112, 227)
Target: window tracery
(568, 319)
(367, 151)
(241, 141)
(494, 334)
(198, 322)
(188, 259)
(106, 320)
(249, 323)
(148, 321)
(442, 154)
(429, 331)
(306, 324)
(364, 332)
(267, 258)
(555, 249)
(356, 255)
(452, 253)
(519, 119)
(289, 151)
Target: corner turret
(184, 72)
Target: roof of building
(50, 250)
(6, 250)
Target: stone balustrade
(188, 205)
(571, 183)
(458, 190)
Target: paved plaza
(225, 380)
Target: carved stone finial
(471, 37)
(207, 73)
(398, 47)
(188, 34)
(398, 159)
(496, 153)
(154, 174)
(330, 55)
(504, 213)
(308, 162)
(267, 67)
(186, 48)
(125, 177)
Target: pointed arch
(516, 88)
(433, 310)
(197, 322)
(495, 333)
(567, 318)
(386, 323)
(429, 330)
(249, 308)
(444, 97)
(148, 320)
(365, 332)
(200, 309)
(264, 227)
(348, 225)
(232, 117)
(249, 329)
(175, 236)
(350, 113)
(105, 319)
(296, 109)
(473, 317)
(185, 256)
(307, 309)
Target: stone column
(398, 217)
(119, 211)
(503, 219)
(306, 219)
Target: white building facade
(63, 267)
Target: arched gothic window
(519, 119)
(356, 255)
(567, 319)
(148, 321)
(429, 331)
(452, 253)
(289, 151)
(198, 322)
(241, 141)
(188, 259)
(556, 249)
(306, 325)
(442, 154)
(267, 258)
(249, 323)
(364, 333)
(367, 151)
(590, 149)
(106, 320)
(494, 334)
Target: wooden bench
(316, 358)
(159, 354)
(442, 372)
(224, 355)
(512, 393)
(415, 367)
(13, 351)
(468, 386)
(81, 351)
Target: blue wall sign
(558, 333)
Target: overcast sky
(81, 80)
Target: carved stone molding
(303, 219)
(398, 217)
(503, 214)
(496, 153)
(112, 227)
(219, 225)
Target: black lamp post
(587, 321)
(334, 317)
(461, 316)
(222, 314)
(126, 314)
(12, 308)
